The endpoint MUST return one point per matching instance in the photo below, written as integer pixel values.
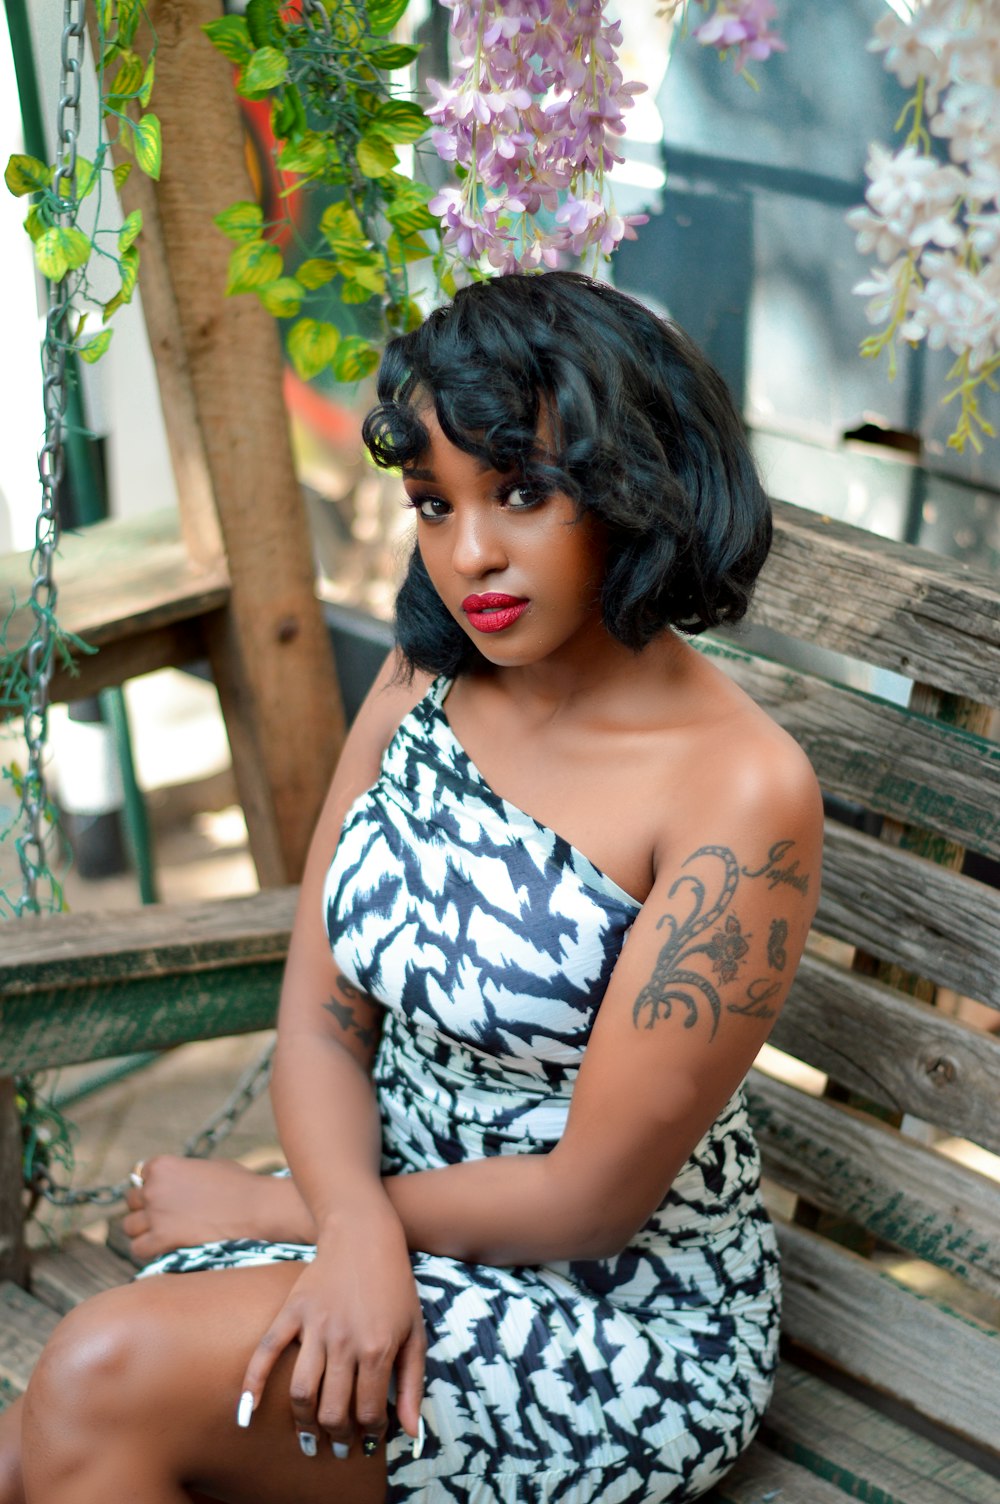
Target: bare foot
(187, 1201)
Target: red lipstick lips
(493, 612)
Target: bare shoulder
(749, 787)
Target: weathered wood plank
(912, 912)
(862, 1451)
(270, 654)
(942, 1364)
(25, 1327)
(76, 950)
(63, 1277)
(903, 608)
(12, 1260)
(896, 762)
(763, 1477)
(894, 1050)
(906, 1194)
(119, 579)
(67, 1026)
(171, 646)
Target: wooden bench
(871, 1119)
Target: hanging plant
(64, 252)
(932, 217)
(338, 119)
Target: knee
(88, 1376)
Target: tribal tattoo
(674, 983)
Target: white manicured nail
(245, 1409)
(420, 1438)
(340, 1450)
(307, 1442)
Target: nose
(477, 546)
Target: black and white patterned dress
(490, 942)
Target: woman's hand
(356, 1316)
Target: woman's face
(520, 572)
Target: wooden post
(220, 367)
(12, 1252)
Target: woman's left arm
(706, 968)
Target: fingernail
(340, 1450)
(420, 1438)
(244, 1409)
(307, 1442)
(369, 1445)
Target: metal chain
(200, 1145)
(51, 468)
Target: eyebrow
(417, 474)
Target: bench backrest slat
(902, 608)
(850, 1164)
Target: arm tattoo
(673, 983)
(776, 955)
(776, 874)
(670, 983)
(344, 1012)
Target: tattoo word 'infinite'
(776, 874)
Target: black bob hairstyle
(640, 431)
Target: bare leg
(135, 1398)
(187, 1201)
(11, 1482)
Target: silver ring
(135, 1174)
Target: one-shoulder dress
(489, 941)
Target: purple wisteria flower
(743, 24)
(529, 117)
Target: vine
(338, 120)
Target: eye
(431, 508)
(523, 498)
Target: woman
(573, 868)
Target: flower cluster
(933, 216)
(743, 25)
(529, 118)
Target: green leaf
(104, 12)
(353, 292)
(406, 248)
(148, 145)
(407, 210)
(146, 88)
(315, 272)
(376, 157)
(60, 250)
(128, 267)
(86, 177)
(341, 228)
(354, 359)
(398, 120)
(129, 16)
(34, 224)
(383, 15)
(266, 70)
(95, 348)
(129, 230)
(128, 80)
(242, 221)
(392, 55)
(312, 344)
(252, 265)
(306, 155)
(282, 298)
(26, 175)
(120, 174)
(264, 21)
(370, 275)
(230, 35)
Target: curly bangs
(579, 388)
